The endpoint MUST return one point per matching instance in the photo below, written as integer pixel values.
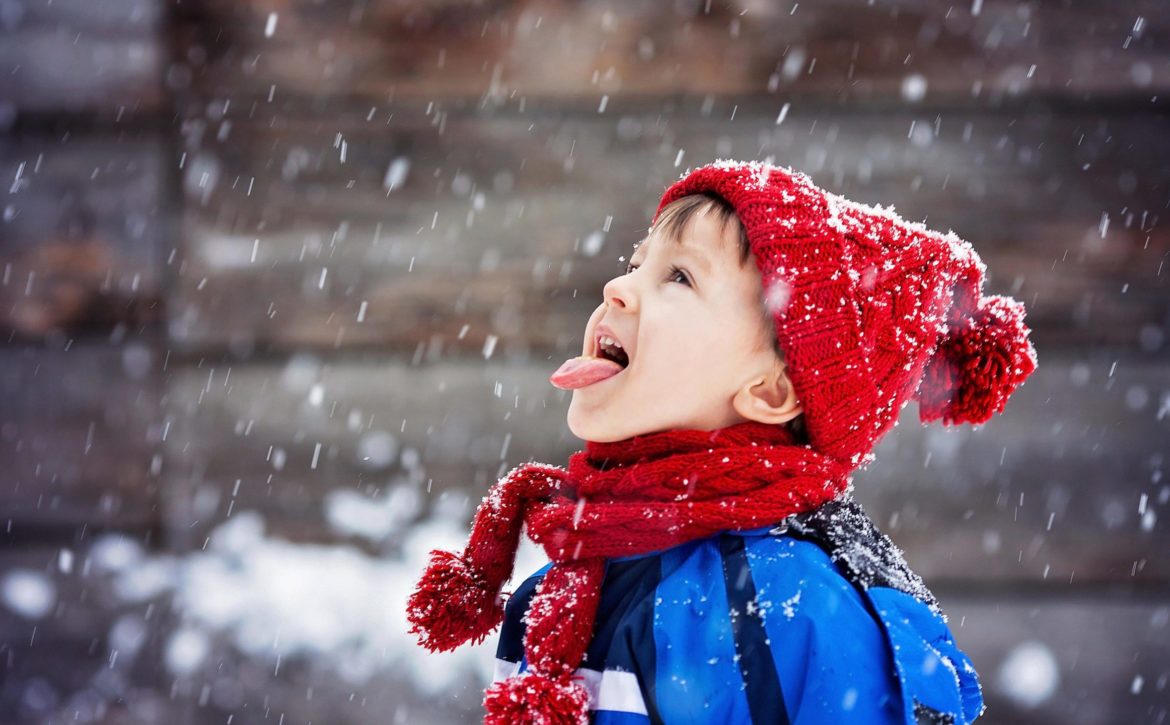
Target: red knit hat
(869, 309)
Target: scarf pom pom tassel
(452, 604)
(531, 698)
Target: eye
(675, 273)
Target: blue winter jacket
(817, 620)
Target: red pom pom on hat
(531, 698)
(979, 362)
(452, 604)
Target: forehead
(703, 234)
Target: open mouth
(606, 359)
(612, 351)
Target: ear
(768, 398)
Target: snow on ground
(29, 593)
(276, 600)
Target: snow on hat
(870, 310)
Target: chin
(591, 430)
(584, 431)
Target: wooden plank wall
(255, 254)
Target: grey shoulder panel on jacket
(868, 556)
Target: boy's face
(690, 319)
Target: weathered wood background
(254, 254)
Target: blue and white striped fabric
(757, 627)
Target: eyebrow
(691, 252)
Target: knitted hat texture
(870, 310)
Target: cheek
(683, 350)
(720, 347)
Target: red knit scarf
(643, 494)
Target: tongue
(578, 372)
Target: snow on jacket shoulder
(813, 621)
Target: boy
(708, 563)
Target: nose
(619, 292)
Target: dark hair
(677, 214)
(799, 430)
(673, 220)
